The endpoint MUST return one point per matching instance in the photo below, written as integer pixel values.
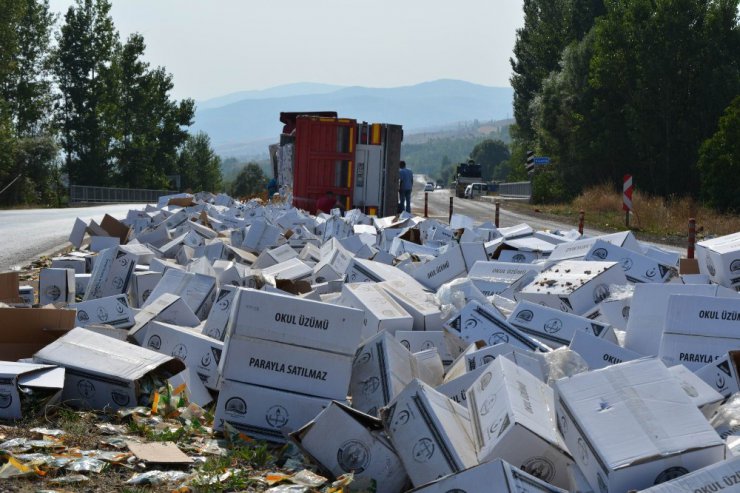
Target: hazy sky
(215, 47)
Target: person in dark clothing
(272, 188)
(326, 203)
(406, 183)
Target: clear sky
(216, 47)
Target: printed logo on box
(86, 388)
(671, 473)
(53, 292)
(710, 266)
(423, 450)
(353, 456)
(601, 253)
(155, 342)
(120, 398)
(180, 352)
(497, 338)
(601, 292)
(82, 316)
(6, 399)
(525, 315)
(553, 326)
(539, 467)
(236, 405)
(277, 416)
(102, 314)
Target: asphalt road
(26, 234)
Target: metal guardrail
(79, 194)
(521, 189)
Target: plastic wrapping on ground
(155, 478)
(727, 419)
(563, 362)
(454, 295)
(620, 292)
(504, 305)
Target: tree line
(77, 100)
(610, 87)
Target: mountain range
(242, 124)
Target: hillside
(242, 124)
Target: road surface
(27, 233)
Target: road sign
(529, 165)
(627, 193)
(541, 160)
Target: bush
(548, 188)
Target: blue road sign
(541, 160)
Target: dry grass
(655, 216)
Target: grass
(654, 217)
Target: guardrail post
(426, 204)
(451, 199)
(692, 238)
(581, 216)
(495, 218)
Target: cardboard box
(722, 476)
(720, 258)
(293, 270)
(579, 248)
(264, 413)
(343, 440)
(102, 372)
(26, 330)
(699, 330)
(419, 304)
(56, 286)
(9, 288)
(444, 268)
(223, 308)
(599, 353)
(111, 310)
(291, 320)
(81, 283)
(431, 433)
(457, 388)
(381, 369)
(45, 382)
(637, 268)
(573, 286)
(77, 264)
(100, 243)
(197, 290)
(381, 310)
(704, 396)
(630, 426)
(513, 418)
(142, 285)
(111, 274)
(478, 322)
(27, 295)
(200, 354)
(517, 257)
(168, 308)
(361, 270)
(77, 235)
(554, 327)
(723, 374)
(497, 475)
(448, 346)
(649, 308)
(287, 367)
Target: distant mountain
(297, 89)
(242, 127)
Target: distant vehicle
(475, 189)
(467, 173)
(429, 187)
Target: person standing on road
(406, 183)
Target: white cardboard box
(579, 248)
(287, 367)
(200, 354)
(168, 308)
(720, 258)
(75, 263)
(343, 440)
(637, 267)
(361, 270)
(111, 310)
(81, 282)
(554, 327)
(17, 378)
(573, 286)
(457, 388)
(262, 412)
(723, 374)
(704, 396)
(599, 353)
(630, 426)
(111, 274)
(196, 290)
(699, 330)
(723, 476)
(223, 308)
(513, 418)
(293, 270)
(497, 475)
(431, 433)
(381, 310)
(381, 369)
(142, 285)
(103, 372)
(56, 286)
(649, 308)
(448, 346)
(419, 304)
(291, 320)
(477, 322)
(444, 268)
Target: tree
(199, 166)
(719, 162)
(250, 181)
(490, 154)
(83, 72)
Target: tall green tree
(719, 162)
(490, 154)
(83, 72)
(199, 166)
(250, 181)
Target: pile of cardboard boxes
(417, 355)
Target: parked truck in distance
(467, 174)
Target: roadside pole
(581, 217)
(498, 207)
(451, 199)
(426, 204)
(692, 238)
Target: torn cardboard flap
(158, 452)
(115, 228)
(26, 330)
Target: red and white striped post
(426, 204)
(495, 218)
(627, 198)
(581, 217)
(692, 238)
